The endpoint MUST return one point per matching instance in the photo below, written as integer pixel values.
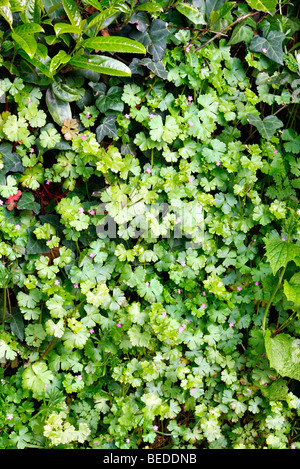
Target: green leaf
(35, 62)
(263, 5)
(59, 110)
(27, 202)
(266, 127)
(279, 253)
(107, 128)
(29, 28)
(192, 13)
(5, 11)
(36, 376)
(72, 11)
(292, 288)
(114, 44)
(271, 45)
(151, 7)
(101, 64)
(63, 28)
(221, 12)
(241, 33)
(283, 352)
(154, 38)
(34, 245)
(64, 92)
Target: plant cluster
(149, 224)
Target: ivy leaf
(266, 127)
(271, 45)
(279, 253)
(107, 128)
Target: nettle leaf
(263, 5)
(283, 352)
(271, 45)
(279, 253)
(266, 127)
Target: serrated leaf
(64, 92)
(266, 127)
(26, 41)
(271, 45)
(263, 5)
(114, 44)
(279, 253)
(101, 64)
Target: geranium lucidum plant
(150, 223)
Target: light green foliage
(149, 225)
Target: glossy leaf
(63, 28)
(28, 28)
(154, 39)
(263, 5)
(103, 19)
(283, 352)
(72, 11)
(114, 44)
(101, 64)
(271, 45)
(36, 63)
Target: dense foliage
(150, 226)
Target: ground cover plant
(149, 223)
